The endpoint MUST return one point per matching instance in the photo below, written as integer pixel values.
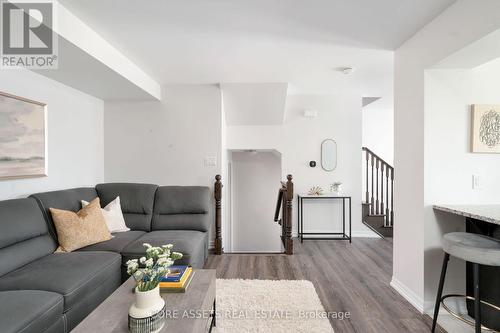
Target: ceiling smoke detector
(348, 70)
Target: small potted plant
(336, 188)
(148, 308)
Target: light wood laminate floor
(348, 277)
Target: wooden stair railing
(381, 183)
(284, 205)
(218, 214)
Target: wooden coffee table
(185, 312)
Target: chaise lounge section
(43, 291)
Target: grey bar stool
(478, 250)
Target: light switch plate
(211, 161)
(476, 184)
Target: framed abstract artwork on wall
(485, 132)
(23, 137)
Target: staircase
(378, 207)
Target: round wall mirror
(329, 155)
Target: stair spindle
(386, 220)
(377, 203)
(372, 207)
(381, 188)
(367, 193)
(392, 198)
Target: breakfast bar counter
(487, 213)
(484, 220)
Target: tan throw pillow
(77, 230)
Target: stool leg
(440, 290)
(477, 299)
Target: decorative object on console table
(147, 314)
(218, 214)
(336, 188)
(23, 148)
(485, 132)
(315, 190)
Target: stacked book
(177, 280)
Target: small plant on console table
(149, 307)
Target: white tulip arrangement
(149, 270)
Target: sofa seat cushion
(73, 275)
(190, 243)
(29, 311)
(117, 243)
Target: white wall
(254, 229)
(165, 142)
(459, 25)
(299, 140)
(75, 134)
(378, 132)
(449, 164)
(226, 181)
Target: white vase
(147, 314)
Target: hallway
(348, 278)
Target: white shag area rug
(269, 306)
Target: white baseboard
(408, 294)
(365, 234)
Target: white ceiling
(300, 42)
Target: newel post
(218, 214)
(288, 220)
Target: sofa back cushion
(69, 199)
(24, 236)
(136, 200)
(182, 208)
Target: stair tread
(381, 230)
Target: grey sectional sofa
(43, 291)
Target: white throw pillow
(113, 216)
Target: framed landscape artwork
(23, 151)
(485, 128)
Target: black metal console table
(338, 235)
